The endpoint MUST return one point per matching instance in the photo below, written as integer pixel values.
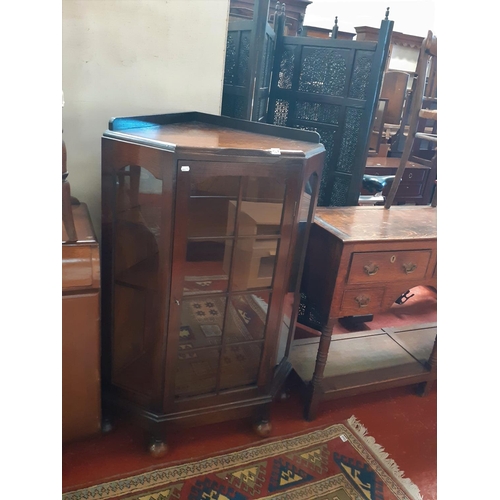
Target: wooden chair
(424, 96)
(394, 90)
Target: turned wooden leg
(262, 426)
(315, 389)
(425, 387)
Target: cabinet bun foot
(263, 428)
(106, 425)
(158, 448)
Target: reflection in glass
(254, 262)
(258, 218)
(291, 301)
(246, 318)
(240, 365)
(206, 268)
(201, 322)
(196, 372)
(209, 205)
(265, 189)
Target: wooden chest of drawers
(417, 183)
(81, 381)
(359, 261)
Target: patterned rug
(339, 462)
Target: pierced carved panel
(281, 112)
(231, 57)
(240, 107)
(340, 191)
(324, 71)
(286, 67)
(361, 73)
(243, 59)
(327, 138)
(316, 112)
(349, 139)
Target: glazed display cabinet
(204, 229)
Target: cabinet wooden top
(379, 223)
(200, 131)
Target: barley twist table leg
(315, 389)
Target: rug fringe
(381, 454)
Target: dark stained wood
(203, 245)
(336, 99)
(81, 381)
(372, 225)
(205, 136)
(359, 261)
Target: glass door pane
(137, 223)
(232, 236)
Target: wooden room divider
(330, 86)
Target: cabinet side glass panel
(137, 223)
(290, 307)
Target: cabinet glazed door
(137, 290)
(231, 243)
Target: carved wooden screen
(331, 86)
(249, 61)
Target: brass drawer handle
(409, 268)
(362, 300)
(371, 269)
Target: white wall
(131, 57)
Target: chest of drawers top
(372, 224)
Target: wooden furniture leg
(315, 389)
(263, 426)
(157, 445)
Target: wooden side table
(359, 261)
(81, 351)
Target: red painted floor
(402, 422)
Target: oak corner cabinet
(204, 230)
